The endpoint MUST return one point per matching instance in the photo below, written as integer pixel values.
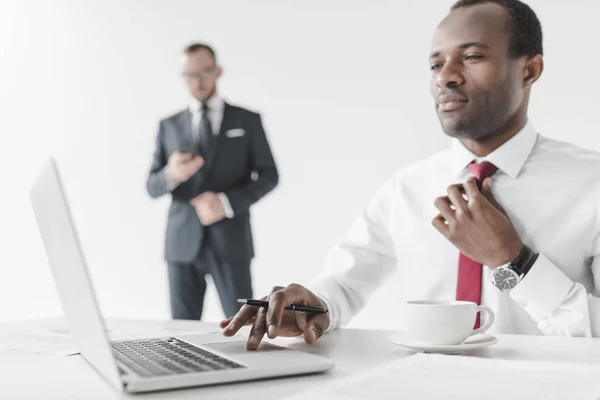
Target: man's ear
(533, 69)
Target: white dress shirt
(216, 106)
(551, 192)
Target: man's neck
(209, 98)
(486, 146)
(196, 104)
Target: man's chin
(203, 96)
(451, 128)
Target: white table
(32, 376)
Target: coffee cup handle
(491, 317)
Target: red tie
(468, 287)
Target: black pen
(293, 307)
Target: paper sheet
(52, 337)
(434, 376)
(39, 343)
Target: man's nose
(450, 76)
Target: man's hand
(477, 226)
(181, 166)
(276, 321)
(209, 208)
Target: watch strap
(524, 261)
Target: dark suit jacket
(242, 167)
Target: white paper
(434, 376)
(37, 347)
(52, 337)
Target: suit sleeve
(157, 185)
(262, 163)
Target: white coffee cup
(445, 322)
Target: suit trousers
(187, 283)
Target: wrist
(509, 255)
(524, 261)
(325, 304)
(169, 181)
(507, 276)
(170, 176)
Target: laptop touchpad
(233, 348)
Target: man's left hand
(209, 208)
(478, 226)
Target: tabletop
(30, 375)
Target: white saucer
(474, 342)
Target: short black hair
(194, 47)
(524, 26)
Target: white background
(343, 87)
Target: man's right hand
(276, 321)
(181, 166)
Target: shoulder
(564, 151)
(169, 118)
(571, 168)
(418, 177)
(433, 166)
(242, 112)
(566, 158)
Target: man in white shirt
(505, 217)
(214, 160)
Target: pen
(293, 307)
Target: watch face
(505, 278)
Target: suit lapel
(186, 143)
(226, 124)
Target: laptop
(146, 364)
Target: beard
(486, 114)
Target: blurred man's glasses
(191, 76)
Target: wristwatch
(507, 276)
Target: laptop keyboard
(167, 356)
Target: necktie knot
(482, 170)
(204, 107)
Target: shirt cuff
(226, 205)
(542, 289)
(331, 313)
(318, 291)
(170, 183)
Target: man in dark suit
(215, 161)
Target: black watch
(507, 276)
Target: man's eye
(436, 67)
(473, 57)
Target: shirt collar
(215, 103)
(509, 158)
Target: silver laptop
(145, 364)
